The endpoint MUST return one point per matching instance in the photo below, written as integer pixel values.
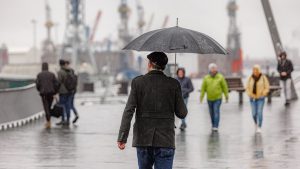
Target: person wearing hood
(186, 88)
(214, 86)
(257, 89)
(47, 85)
(285, 68)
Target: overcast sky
(207, 16)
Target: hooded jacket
(46, 82)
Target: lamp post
(34, 22)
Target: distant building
(3, 56)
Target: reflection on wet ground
(92, 144)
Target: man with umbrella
(154, 99)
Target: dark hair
(181, 69)
(45, 66)
(67, 62)
(157, 67)
(283, 54)
(62, 62)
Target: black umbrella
(176, 40)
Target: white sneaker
(258, 130)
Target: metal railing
(19, 106)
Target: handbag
(57, 110)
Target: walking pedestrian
(47, 85)
(257, 89)
(73, 93)
(65, 91)
(154, 98)
(285, 69)
(186, 88)
(214, 85)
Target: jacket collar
(155, 72)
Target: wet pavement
(92, 143)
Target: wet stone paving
(91, 144)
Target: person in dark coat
(47, 85)
(285, 69)
(154, 99)
(72, 107)
(64, 93)
(186, 88)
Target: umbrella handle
(175, 67)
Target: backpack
(70, 81)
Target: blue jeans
(65, 102)
(161, 158)
(185, 100)
(257, 106)
(214, 111)
(72, 107)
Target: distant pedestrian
(257, 89)
(154, 98)
(186, 88)
(73, 93)
(47, 85)
(285, 69)
(214, 85)
(67, 84)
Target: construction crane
(234, 42)
(49, 50)
(278, 48)
(150, 22)
(75, 46)
(141, 13)
(94, 31)
(166, 21)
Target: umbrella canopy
(176, 40)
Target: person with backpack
(257, 89)
(67, 85)
(73, 93)
(47, 85)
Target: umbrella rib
(189, 33)
(214, 41)
(151, 38)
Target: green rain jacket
(214, 86)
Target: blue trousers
(185, 100)
(214, 111)
(65, 101)
(161, 158)
(257, 106)
(72, 105)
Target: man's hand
(283, 73)
(121, 145)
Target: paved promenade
(92, 143)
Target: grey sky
(207, 16)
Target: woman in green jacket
(214, 85)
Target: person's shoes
(258, 130)
(215, 129)
(287, 103)
(60, 123)
(183, 127)
(48, 125)
(66, 123)
(75, 119)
